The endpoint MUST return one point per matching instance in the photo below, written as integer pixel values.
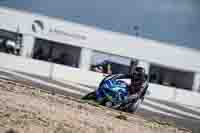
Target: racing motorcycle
(114, 93)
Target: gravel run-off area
(26, 109)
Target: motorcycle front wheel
(132, 108)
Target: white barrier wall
(77, 75)
(162, 92)
(26, 65)
(188, 97)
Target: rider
(137, 81)
(136, 85)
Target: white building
(81, 46)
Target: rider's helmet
(139, 76)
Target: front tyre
(132, 108)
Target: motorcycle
(113, 93)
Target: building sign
(72, 35)
(38, 26)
